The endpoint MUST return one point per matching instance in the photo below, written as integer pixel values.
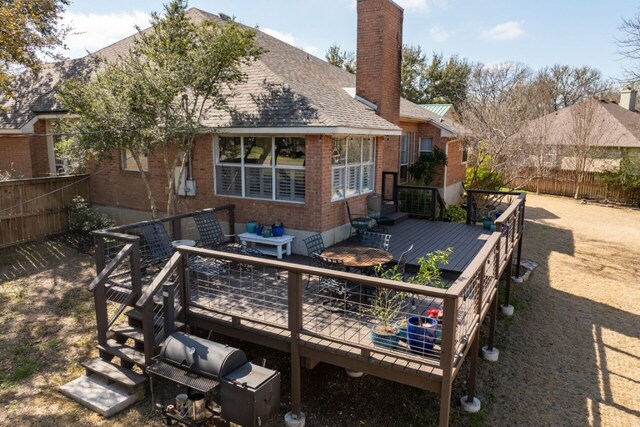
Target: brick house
(312, 136)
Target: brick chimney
(379, 55)
(628, 99)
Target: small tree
(341, 58)
(176, 74)
(30, 29)
(429, 272)
(425, 168)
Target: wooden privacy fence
(564, 184)
(38, 207)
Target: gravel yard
(569, 356)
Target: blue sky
(536, 32)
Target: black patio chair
(337, 292)
(211, 234)
(376, 240)
(315, 245)
(159, 248)
(360, 223)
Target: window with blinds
(353, 166)
(271, 168)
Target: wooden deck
(428, 236)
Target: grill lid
(201, 356)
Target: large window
(353, 166)
(261, 167)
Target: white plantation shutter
(367, 178)
(258, 183)
(353, 180)
(290, 185)
(229, 180)
(337, 183)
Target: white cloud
(506, 31)
(439, 34)
(415, 5)
(92, 31)
(290, 39)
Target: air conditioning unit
(186, 187)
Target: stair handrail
(146, 303)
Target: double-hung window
(129, 162)
(426, 145)
(271, 168)
(353, 166)
(404, 156)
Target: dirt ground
(570, 355)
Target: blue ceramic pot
(259, 230)
(421, 333)
(385, 340)
(251, 226)
(487, 223)
(277, 230)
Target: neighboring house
(314, 136)
(609, 132)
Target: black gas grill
(250, 394)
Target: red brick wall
(15, 153)
(111, 186)
(379, 54)
(455, 168)
(39, 150)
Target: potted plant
(385, 307)
(422, 331)
(436, 313)
(251, 226)
(266, 232)
(259, 229)
(277, 228)
(393, 274)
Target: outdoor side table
(269, 245)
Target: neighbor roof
(285, 87)
(613, 125)
(437, 109)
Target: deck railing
(416, 200)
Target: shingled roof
(614, 125)
(286, 87)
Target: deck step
(94, 393)
(129, 331)
(396, 217)
(131, 381)
(124, 352)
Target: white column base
(291, 420)
(507, 310)
(471, 407)
(490, 355)
(353, 374)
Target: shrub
(425, 168)
(429, 272)
(84, 219)
(456, 213)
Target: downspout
(444, 181)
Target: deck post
(507, 279)
(434, 201)
(470, 403)
(469, 206)
(492, 323)
(447, 356)
(295, 417)
(136, 271)
(176, 228)
(168, 296)
(521, 235)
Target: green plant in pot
(393, 274)
(422, 331)
(385, 307)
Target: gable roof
(615, 125)
(286, 87)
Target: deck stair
(115, 380)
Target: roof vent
(225, 17)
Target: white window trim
(241, 166)
(345, 166)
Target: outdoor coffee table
(278, 242)
(359, 256)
